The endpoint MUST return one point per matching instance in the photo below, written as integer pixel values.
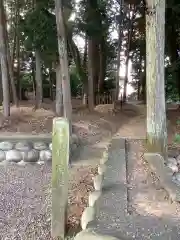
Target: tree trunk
(120, 34)
(173, 53)
(63, 59)
(18, 82)
(90, 76)
(39, 87)
(127, 57)
(59, 96)
(1, 90)
(4, 64)
(143, 86)
(140, 72)
(156, 112)
(85, 81)
(102, 64)
(33, 77)
(10, 66)
(51, 83)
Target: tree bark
(120, 33)
(127, 57)
(85, 81)
(1, 90)
(90, 75)
(39, 87)
(63, 59)
(102, 64)
(18, 83)
(4, 64)
(59, 96)
(10, 66)
(156, 112)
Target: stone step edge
(13, 136)
(157, 166)
(89, 213)
(91, 235)
(23, 136)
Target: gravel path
(25, 202)
(25, 206)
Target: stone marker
(60, 160)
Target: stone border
(89, 213)
(12, 136)
(164, 174)
(91, 235)
(29, 148)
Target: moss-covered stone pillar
(60, 160)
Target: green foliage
(39, 27)
(177, 138)
(171, 89)
(75, 80)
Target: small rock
(87, 217)
(75, 139)
(177, 176)
(45, 155)
(172, 160)
(40, 146)
(73, 147)
(178, 159)
(173, 167)
(93, 197)
(13, 156)
(31, 156)
(173, 153)
(2, 156)
(6, 146)
(23, 146)
(97, 181)
(50, 146)
(102, 169)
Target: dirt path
(157, 217)
(29, 187)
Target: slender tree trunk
(120, 33)
(102, 64)
(85, 81)
(63, 59)
(51, 82)
(126, 79)
(39, 87)
(33, 77)
(10, 66)
(1, 90)
(140, 78)
(143, 86)
(18, 83)
(4, 64)
(127, 57)
(90, 76)
(59, 96)
(156, 112)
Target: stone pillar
(60, 160)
